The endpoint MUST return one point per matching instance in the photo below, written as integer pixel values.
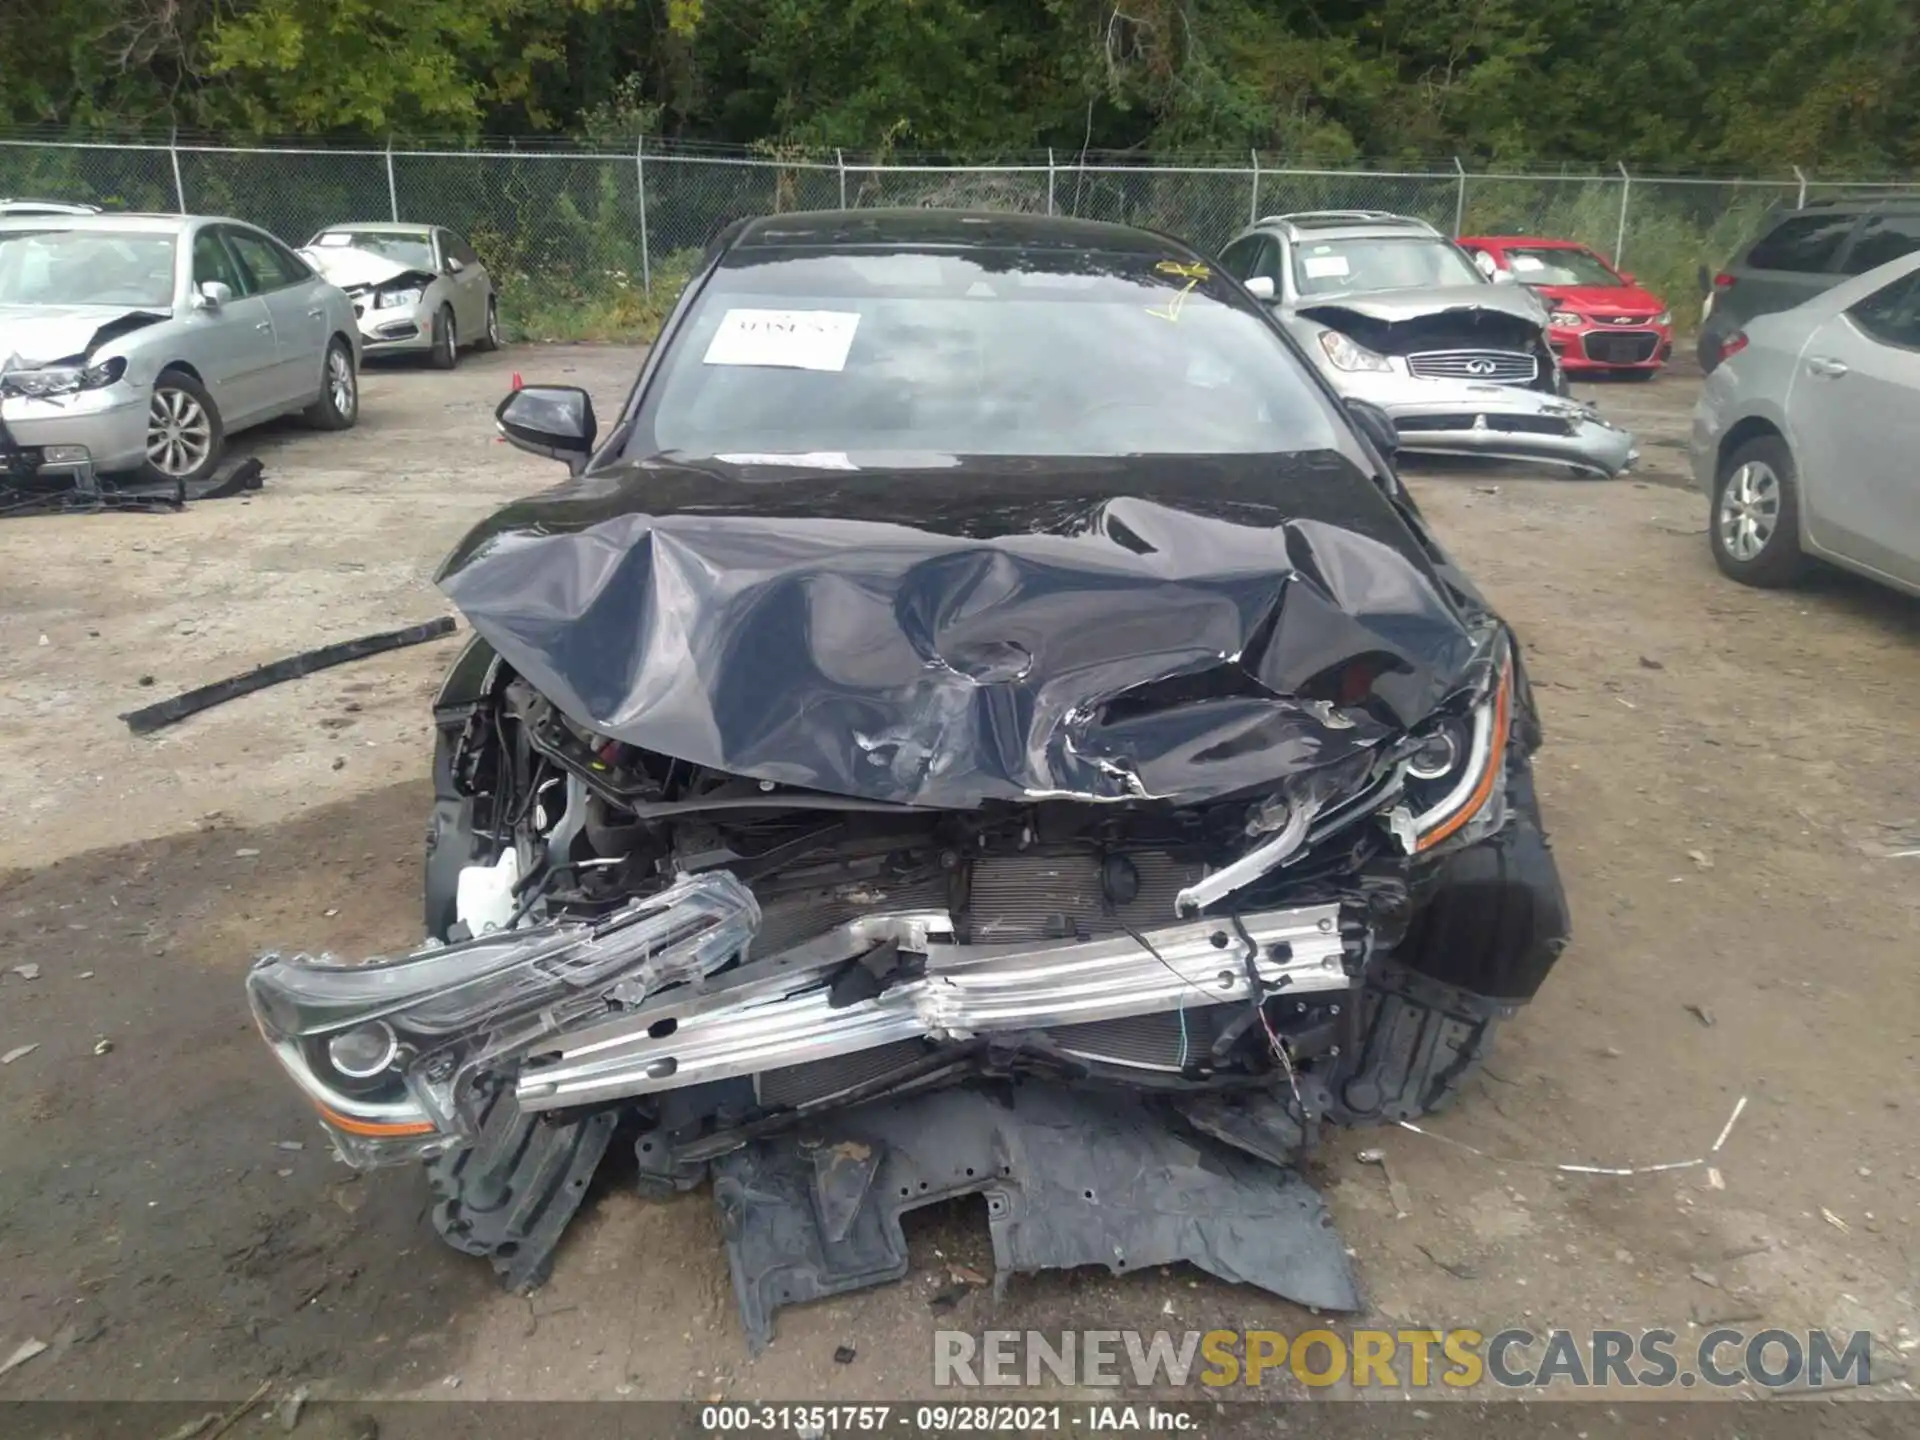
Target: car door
(468, 281)
(1854, 408)
(292, 294)
(231, 345)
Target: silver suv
(1395, 314)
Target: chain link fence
(591, 242)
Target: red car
(1602, 322)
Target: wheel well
(1751, 428)
(344, 338)
(183, 368)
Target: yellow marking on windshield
(1193, 272)
(1175, 305)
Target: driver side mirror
(211, 295)
(555, 421)
(1260, 287)
(454, 267)
(1627, 275)
(1503, 277)
(1374, 423)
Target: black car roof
(1857, 204)
(956, 229)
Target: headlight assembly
(389, 1051)
(1457, 769)
(397, 299)
(1348, 354)
(65, 379)
(1566, 320)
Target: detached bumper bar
(1500, 422)
(1563, 432)
(790, 1009)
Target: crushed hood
(348, 266)
(1395, 306)
(32, 335)
(1008, 629)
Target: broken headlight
(397, 299)
(391, 1052)
(65, 379)
(1454, 773)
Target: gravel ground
(1726, 774)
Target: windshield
(915, 354)
(413, 248)
(1555, 266)
(86, 267)
(1341, 267)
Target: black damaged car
(984, 718)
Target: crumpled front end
(1267, 860)
(393, 304)
(1456, 378)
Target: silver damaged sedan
(139, 343)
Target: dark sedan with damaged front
(985, 718)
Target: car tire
(1754, 526)
(339, 404)
(185, 428)
(490, 338)
(446, 341)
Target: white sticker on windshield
(335, 240)
(793, 339)
(809, 460)
(1527, 262)
(1321, 267)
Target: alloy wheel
(179, 432)
(340, 382)
(1749, 510)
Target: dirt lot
(1726, 775)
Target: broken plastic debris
(1834, 1220)
(1573, 1169)
(288, 1410)
(17, 1053)
(102, 1046)
(27, 972)
(26, 1351)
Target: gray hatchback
(1799, 254)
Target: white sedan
(415, 288)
